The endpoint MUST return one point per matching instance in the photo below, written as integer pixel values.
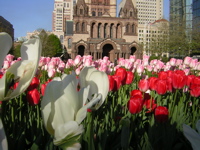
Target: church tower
(98, 32)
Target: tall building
(6, 26)
(149, 11)
(196, 15)
(181, 15)
(62, 13)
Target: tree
(53, 45)
(50, 44)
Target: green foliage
(16, 51)
(50, 44)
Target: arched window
(77, 27)
(83, 26)
(81, 11)
(69, 43)
(131, 14)
(93, 13)
(127, 28)
(105, 33)
(99, 30)
(133, 28)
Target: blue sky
(29, 15)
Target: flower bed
(139, 104)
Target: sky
(29, 15)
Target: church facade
(98, 32)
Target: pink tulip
(193, 63)
(61, 66)
(187, 60)
(140, 69)
(132, 58)
(9, 57)
(6, 64)
(172, 62)
(77, 59)
(51, 72)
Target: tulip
(161, 86)
(150, 104)
(129, 77)
(121, 72)
(22, 71)
(152, 83)
(3, 141)
(172, 62)
(34, 83)
(192, 135)
(195, 91)
(143, 85)
(117, 83)
(97, 80)
(65, 108)
(111, 82)
(33, 97)
(161, 114)
(135, 104)
(136, 92)
(179, 79)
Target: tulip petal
(198, 126)
(65, 133)
(84, 75)
(97, 80)
(3, 143)
(192, 136)
(81, 114)
(5, 45)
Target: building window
(77, 27)
(93, 13)
(133, 28)
(99, 13)
(83, 26)
(69, 43)
(81, 11)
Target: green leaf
(9, 82)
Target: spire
(81, 9)
(127, 9)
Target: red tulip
(129, 77)
(150, 104)
(169, 84)
(162, 75)
(117, 83)
(161, 86)
(111, 82)
(179, 80)
(143, 85)
(136, 92)
(34, 84)
(135, 104)
(195, 91)
(152, 83)
(190, 79)
(43, 87)
(121, 72)
(161, 114)
(33, 97)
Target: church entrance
(81, 50)
(109, 52)
(133, 50)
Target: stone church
(98, 32)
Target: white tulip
(64, 108)
(98, 82)
(192, 135)
(22, 71)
